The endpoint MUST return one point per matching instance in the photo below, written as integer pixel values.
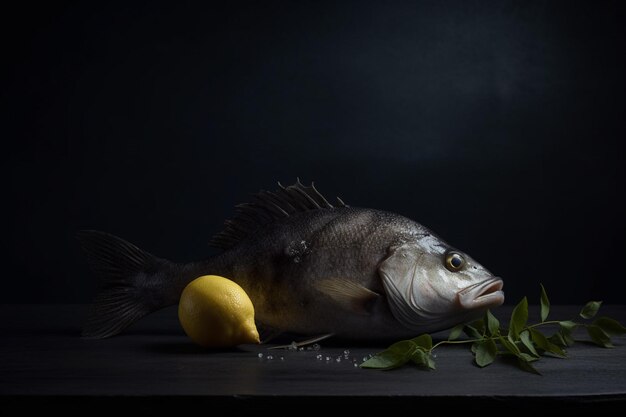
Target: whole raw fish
(309, 267)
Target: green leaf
(478, 325)
(423, 359)
(486, 352)
(566, 329)
(569, 340)
(528, 344)
(526, 366)
(543, 343)
(527, 358)
(610, 326)
(568, 325)
(519, 317)
(424, 341)
(403, 347)
(456, 332)
(395, 356)
(558, 340)
(474, 347)
(420, 358)
(599, 337)
(539, 339)
(493, 325)
(431, 362)
(590, 309)
(545, 304)
(472, 332)
(509, 345)
(385, 360)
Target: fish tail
(136, 283)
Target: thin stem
(541, 324)
(458, 342)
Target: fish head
(432, 286)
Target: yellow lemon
(216, 312)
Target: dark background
(499, 125)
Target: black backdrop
(500, 125)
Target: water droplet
(327, 358)
(319, 357)
(346, 352)
(364, 358)
(282, 358)
(260, 355)
(338, 359)
(293, 346)
(301, 349)
(356, 365)
(316, 347)
(270, 357)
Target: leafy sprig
(522, 341)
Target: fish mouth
(487, 293)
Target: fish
(310, 268)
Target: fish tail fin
(135, 283)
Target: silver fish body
(310, 268)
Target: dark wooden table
(153, 367)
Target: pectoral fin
(350, 295)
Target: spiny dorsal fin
(266, 207)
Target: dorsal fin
(266, 207)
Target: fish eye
(454, 261)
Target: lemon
(216, 312)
